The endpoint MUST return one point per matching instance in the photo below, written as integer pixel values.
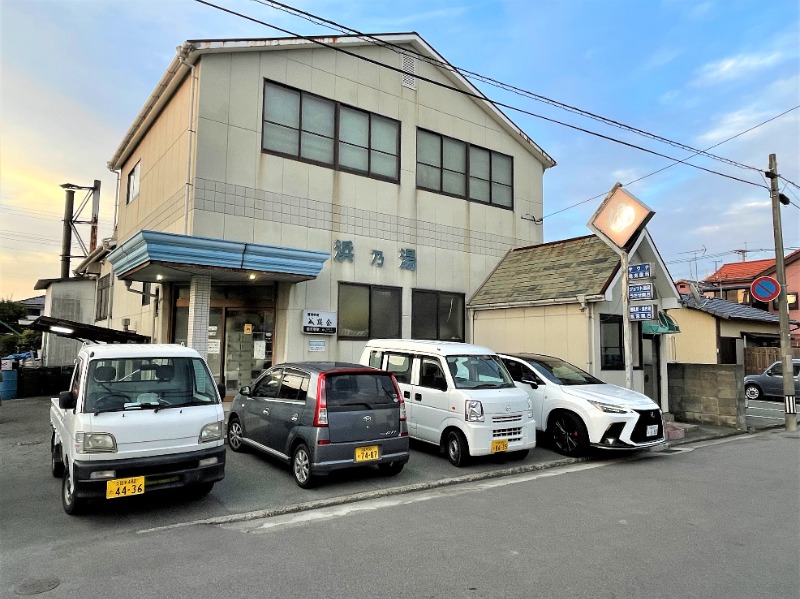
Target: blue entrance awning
(157, 257)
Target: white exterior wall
(242, 194)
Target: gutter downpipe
(182, 53)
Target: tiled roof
(557, 270)
(789, 259)
(740, 271)
(728, 310)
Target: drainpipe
(183, 51)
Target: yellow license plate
(499, 445)
(124, 487)
(367, 454)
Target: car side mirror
(66, 400)
(530, 381)
(245, 391)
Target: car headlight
(211, 432)
(95, 443)
(608, 408)
(474, 411)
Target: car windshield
(563, 373)
(150, 383)
(478, 372)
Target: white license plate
(652, 430)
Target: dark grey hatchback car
(322, 416)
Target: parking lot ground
(254, 486)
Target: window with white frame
(133, 183)
(452, 167)
(307, 127)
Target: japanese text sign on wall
(642, 291)
(344, 251)
(319, 323)
(639, 271)
(644, 312)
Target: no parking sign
(765, 289)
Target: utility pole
(790, 405)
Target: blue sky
(75, 73)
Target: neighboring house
(34, 307)
(791, 265)
(716, 331)
(732, 282)
(68, 299)
(564, 299)
(283, 200)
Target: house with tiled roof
(563, 299)
(717, 331)
(732, 282)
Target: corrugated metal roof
(728, 310)
(558, 270)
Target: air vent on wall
(409, 71)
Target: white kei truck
(137, 418)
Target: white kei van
(457, 396)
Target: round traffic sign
(765, 289)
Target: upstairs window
(437, 315)
(452, 167)
(103, 301)
(133, 183)
(306, 127)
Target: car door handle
(417, 396)
(406, 395)
(266, 412)
(294, 417)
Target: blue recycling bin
(8, 386)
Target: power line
(674, 163)
(478, 96)
(317, 20)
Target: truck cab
(137, 418)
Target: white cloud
(662, 57)
(736, 67)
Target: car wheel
(56, 461)
(235, 434)
(457, 448)
(72, 505)
(392, 468)
(568, 434)
(301, 467)
(752, 392)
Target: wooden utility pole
(789, 399)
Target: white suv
(578, 410)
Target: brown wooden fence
(758, 359)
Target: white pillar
(199, 308)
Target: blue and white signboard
(639, 271)
(643, 312)
(641, 291)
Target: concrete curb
(368, 495)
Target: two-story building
(291, 198)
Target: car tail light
(400, 398)
(321, 409)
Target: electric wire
(316, 19)
(674, 163)
(478, 96)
